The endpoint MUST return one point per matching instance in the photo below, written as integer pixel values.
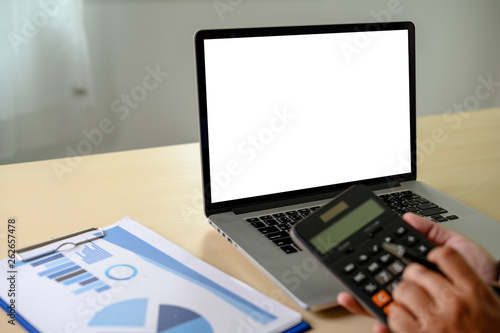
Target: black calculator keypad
(378, 272)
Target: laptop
(290, 117)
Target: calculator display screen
(347, 225)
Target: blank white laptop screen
(302, 111)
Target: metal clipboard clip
(59, 244)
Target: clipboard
(36, 251)
(108, 267)
(62, 243)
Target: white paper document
(134, 280)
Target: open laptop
(291, 116)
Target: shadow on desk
(217, 251)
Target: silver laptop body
(291, 116)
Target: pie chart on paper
(132, 313)
(174, 319)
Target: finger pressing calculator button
(381, 298)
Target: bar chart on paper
(93, 253)
(60, 269)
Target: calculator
(346, 236)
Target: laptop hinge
(284, 202)
(385, 185)
(302, 199)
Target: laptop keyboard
(276, 227)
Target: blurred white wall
(143, 65)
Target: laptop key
(295, 218)
(283, 241)
(426, 206)
(284, 227)
(439, 218)
(271, 222)
(288, 249)
(268, 230)
(433, 211)
(258, 224)
(284, 220)
(277, 235)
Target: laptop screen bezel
(203, 35)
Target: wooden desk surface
(161, 188)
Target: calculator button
(359, 277)
(370, 288)
(422, 249)
(388, 239)
(373, 267)
(363, 258)
(373, 232)
(384, 277)
(390, 287)
(390, 308)
(410, 240)
(349, 268)
(385, 258)
(381, 298)
(400, 231)
(375, 248)
(396, 267)
(349, 250)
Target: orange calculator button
(391, 308)
(381, 298)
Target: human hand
(458, 300)
(476, 256)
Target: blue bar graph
(47, 259)
(64, 272)
(61, 269)
(57, 262)
(55, 269)
(88, 287)
(93, 253)
(92, 279)
(77, 279)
